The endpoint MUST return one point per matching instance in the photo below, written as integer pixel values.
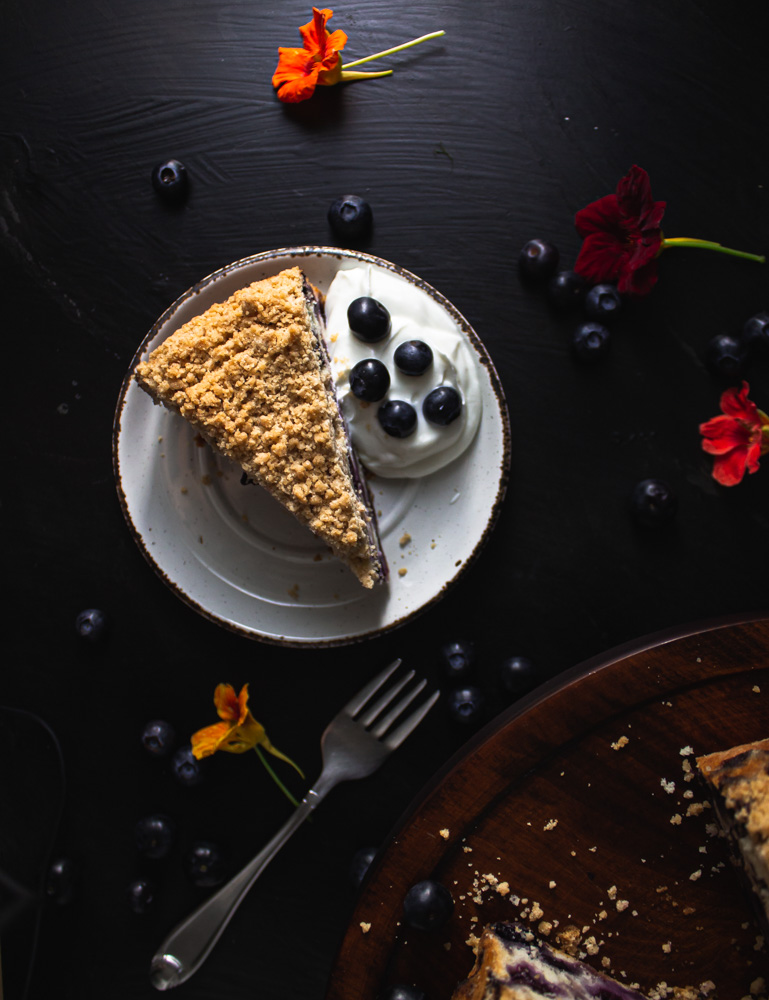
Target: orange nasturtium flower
(318, 63)
(237, 732)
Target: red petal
(729, 469)
(599, 217)
(735, 403)
(722, 434)
(601, 258)
(637, 280)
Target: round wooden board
(578, 799)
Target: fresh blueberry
(755, 333)
(60, 880)
(725, 355)
(154, 836)
(350, 217)
(427, 905)
(518, 675)
(360, 864)
(413, 357)
(91, 624)
(538, 260)
(442, 405)
(603, 302)
(369, 380)
(466, 704)
(397, 418)
(170, 180)
(566, 290)
(141, 895)
(186, 769)
(653, 502)
(457, 657)
(368, 319)
(158, 737)
(591, 341)
(204, 864)
(403, 992)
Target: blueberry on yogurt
(413, 357)
(397, 418)
(369, 380)
(442, 406)
(369, 320)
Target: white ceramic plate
(239, 558)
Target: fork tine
(397, 736)
(356, 703)
(397, 710)
(378, 707)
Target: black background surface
(496, 133)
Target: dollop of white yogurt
(415, 315)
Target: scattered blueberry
(368, 319)
(204, 864)
(402, 992)
(538, 260)
(158, 737)
(653, 502)
(350, 217)
(566, 289)
(442, 406)
(413, 357)
(369, 380)
(170, 180)
(141, 895)
(457, 657)
(518, 675)
(91, 624)
(154, 836)
(427, 905)
(725, 355)
(360, 864)
(60, 881)
(755, 333)
(466, 704)
(397, 418)
(603, 302)
(591, 341)
(186, 768)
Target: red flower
(737, 438)
(299, 71)
(622, 236)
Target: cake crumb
(667, 947)
(695, 875)
(669, 786)
(551, 884)
(365, 927)
(404, 539)
(402, 571)
(758, 986)
(444, 833)
(756, 689)
(544, 927)
(612, 892)
(621, 742)
(551, 824)
(622, 905)
(503, 889)
(675, 819)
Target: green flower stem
(345, 76)
(275, 778)
(684, 241)
(398, 48)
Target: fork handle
(189, 944)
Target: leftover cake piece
(738, 782)
(511, 965)
(252, 376)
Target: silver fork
(356, 741)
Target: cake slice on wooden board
(511, 965)
(738, 782)
(252, 375)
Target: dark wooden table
(499, 132)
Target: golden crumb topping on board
(248, 376)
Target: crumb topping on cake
(248, 376)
